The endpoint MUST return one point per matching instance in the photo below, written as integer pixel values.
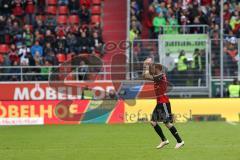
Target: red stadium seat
(62, 19)
(1, 58)
(63, 10)
(69, 57)
(96, 2)
(4, 48)
(74, 19)
(51, 10)
(51, 2)
(96, 19)
(96, 10)
(61, 57)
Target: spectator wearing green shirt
(28, 37)
(158, 23)
(45, 71)
(171, 27)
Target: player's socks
(160, 132)
(174, 132)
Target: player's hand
(148, 61)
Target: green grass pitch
(203, 141)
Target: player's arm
(146, 73)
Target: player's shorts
(162, 113)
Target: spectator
(61, 45)
(5, 7)
(39, 37)
(38, 58)
(15, 72)
(86, 3)
(45, 71)
(234, 89)
(182, 67)
(22, 53)
(30, 11)
(2, 30)
(63, 2)
(24, 60)
(6, 63)
(97, 43)
(197, 66)
(149, 24)
(162, 9)
(235, 22)
(51, 22)
(41, 6)
(71, 42)
(170, 64)
(49, 37)
(97, 28)
(136, 10)
(136, 25)
(37, 48)
(230, 57)
(159, 22)
(17, 8)
(83, 29)
(73, 6)
(84, 43)
(28, 37)
(60, 31)
(72, 28)
(38, 62)
(16, 32)
(48, 48)
(45, 31)
(171, 26)
(84, 14)
(50, 56)
(39, 25)
(132, 35)
(13, 55)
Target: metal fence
(202, 75)
(184, 29)
(162, 51)
(63, 73)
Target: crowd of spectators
(36, 38)
(193, 17)
(172, 13)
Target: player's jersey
(160, 88)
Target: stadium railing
(63, 73)
(201, 80)
(184, 29)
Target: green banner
(186, 42)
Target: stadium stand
(50, 29)
(169, 13)
(151, 18)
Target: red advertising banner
(60, 112)
(44, 91)
(71, 91)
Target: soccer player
(162, 111)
